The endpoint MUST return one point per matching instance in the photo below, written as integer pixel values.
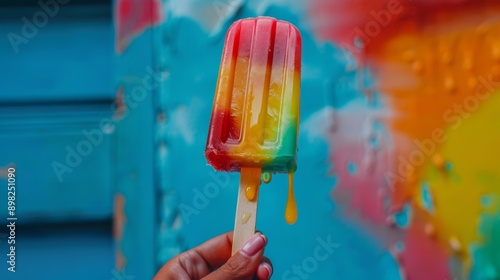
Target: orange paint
(457, 62)
(119, 220)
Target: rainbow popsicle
(256, 108)
(255, 115)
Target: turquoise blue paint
(138, 157)
(378, 125)
(400, 246)
(487, 200)
(427, 197)
(448, 166)
(352, 168)
(486, 256)
(374, 142)
(403, 218)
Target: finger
(244, 264)
(199, 261)
(268, 261)
(265, 270)
(216, 251)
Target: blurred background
(104, 109)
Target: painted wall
(57, 84)
(56, 96)
(397, 173)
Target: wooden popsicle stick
(246, 210)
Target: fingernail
(268, 268)
(265, 239)
(255, 244)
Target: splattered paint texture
(424, 178)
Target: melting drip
(251, 192)
(291, 204)
(253, 183)
(246, 217)
(266, 177)
(252, 188)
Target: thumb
(243, 265)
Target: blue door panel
(63, 164)
(67, 59)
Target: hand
(212, 261)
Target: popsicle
(255, 114)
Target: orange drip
(253, 183)
(291, 212)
